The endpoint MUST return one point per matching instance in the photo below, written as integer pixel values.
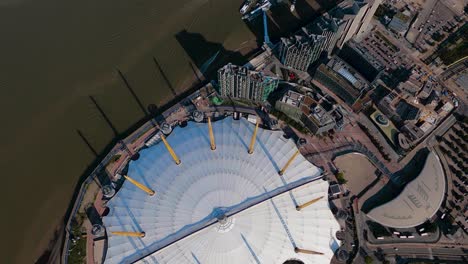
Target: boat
(245, 7)
(263, 5)
(293, 5)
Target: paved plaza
(358, 170)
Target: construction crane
(266, 37)
(261, 6)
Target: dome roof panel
(221, 206)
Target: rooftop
(292, 98)
(419, 200)
(221, 206)
(316, 113)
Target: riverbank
(51, 248)
(225, 40)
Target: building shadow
(305, 11)
(87, 143)
(197, 261)
(164, 76)
(284, 21)
(104, 116)
(255, 26)
(93, 215)
(252, 252)
(323, 6)
(283, 223)
(207, 56)
(398, 182)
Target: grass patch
(454, 47)
(458, 52)
(389, 130)
(77, 250)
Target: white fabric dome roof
(181, 220)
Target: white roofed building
(222, 205)
(419, 200)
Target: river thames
(55, 54)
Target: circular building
(222, 205)
(418, 202)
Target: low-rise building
(413, 132)
(406, 111)
(307, 111)
(290, 105)
(344, 81)
(315, 118)
(360, 59)
(400, 22)
(426, 90)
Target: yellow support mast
(212, 139)
(254, 137)
(129, 234)
(171, 151)
(139, 185)
(300, 207)
(305, 251)
(281, 172)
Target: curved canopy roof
(221, 206)
(419, 200)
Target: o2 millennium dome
(235, 193)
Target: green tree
(340, 178)
(438, 36)
(368, 260)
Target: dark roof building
(315, 118)
(344, 81)
(306, 110)
(407, 111)
(360, 60)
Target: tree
(368, 260)
(340, 178)
(438, 36)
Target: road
(425, 253)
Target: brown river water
(54, 54)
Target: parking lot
(439, 23)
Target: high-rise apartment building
(365, 22)
(357, 15)
(329, 27)
(299, 51)
(242, 83)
